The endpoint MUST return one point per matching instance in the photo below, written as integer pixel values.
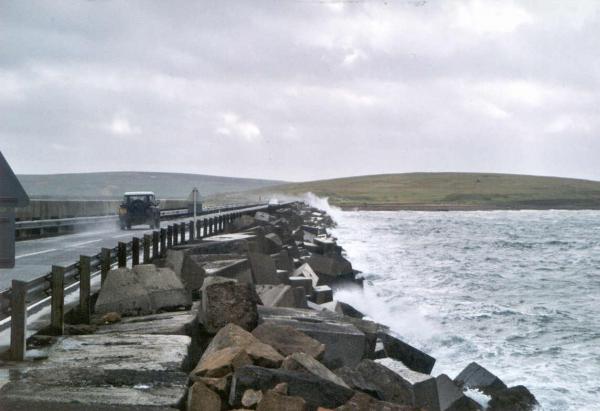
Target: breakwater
(241, 320)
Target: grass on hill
(450, 190)
(112, 185)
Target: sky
(300, 89)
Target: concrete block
(300, 300)
(165, 289)
(410, 356)
(422, 387)
(288, 340)
(330, 265)
(122, 292)
(305, 270)
(273, 243)
(226, 301)
(304, 282)
(477, 377)
(322, 294)
(452, 397)
(263, 268)
(278, 296)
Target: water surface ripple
(517, 291)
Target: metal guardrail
(79, 221)
(14, 302)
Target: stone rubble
(263, 332)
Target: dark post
(57, 314)
(221, 224)
(155, 241)
(122, 254)
(210, 226)
(192, 230)
(147, 241)
(199, 229)
(104, 264)
(175, 234)
(85, 307)
(135, 251)
(18, 320)
(163, 242)
(169, 236)
(205, 225)
(182, 228)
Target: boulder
(219, 385)
(410, 356)
(165, 289)
(227, 301)
(322, 294)
(220, 363)
(123, 293)
(314, 390)
(452, 397)
(251, 398)
(476, 377)
(305, 363)
(517, 398)
(273, 401)
(263, 268)
(202, 398)
(233, 336)
(288, 340)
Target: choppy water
(516, 291)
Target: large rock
(263, 269)
(226, 301)
(273, 401)
(232, 336)
(122, 292)
(165, 289)
(452, 397)
(476, 377)
(314, 390)
(410, 356)
(202, 398)
(220, 363)
(287, 340)
(517, 398)
(305, 363)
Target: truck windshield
(144, 198)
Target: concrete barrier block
(322, 294)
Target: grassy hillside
(451, 191)
(114, 184)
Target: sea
(516, 291)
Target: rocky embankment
(244, 320)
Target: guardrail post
(182, 230)
(163, 242)
(155, 245)
(210, 225)
(85, 270)
(122, 254)
(221, 224)
(57, 309)
(135, 251)
(192, 230)
(18, 320)
(205, 225)
(147, 241)
(175, 234)
(198, 229)
(105, 264)
(169, 236)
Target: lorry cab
(139, 207)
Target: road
(35, 258)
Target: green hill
(450, 191)
(114, 184)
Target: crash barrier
(23, 295)
(25, 229)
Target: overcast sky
(301, 90)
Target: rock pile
(266, 334)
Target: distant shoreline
(463, 207)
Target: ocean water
(516, 291)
